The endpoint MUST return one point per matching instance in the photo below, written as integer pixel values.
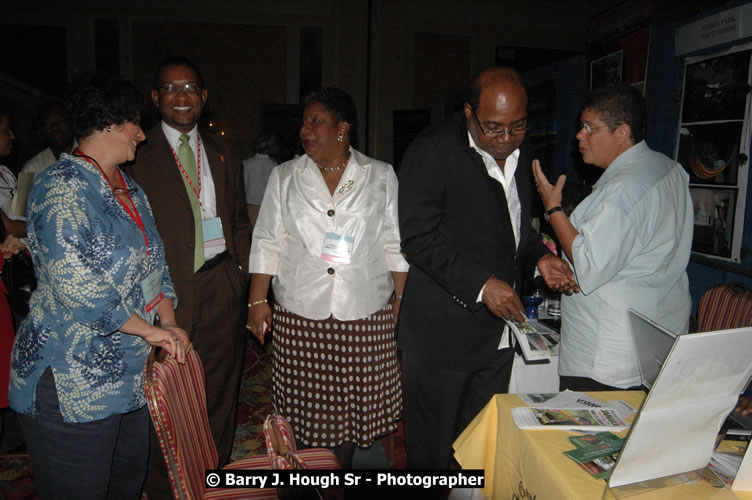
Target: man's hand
(558, 274)
(502, 300)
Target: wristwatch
(548, 214)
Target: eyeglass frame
(506, 132)
(589, 129)
(190, 88)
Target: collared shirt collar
(510, 165)
(173, 136)
(620, 162)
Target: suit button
(330, 270)
(190, 245)
(330, 213)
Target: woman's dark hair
(618, 103)
(100, 99)
(340, 104)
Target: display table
(534, 377)
(530, 464)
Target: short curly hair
(99, 100)
(340, 104)
(618, 103)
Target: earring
(340, 138)
(108, 129)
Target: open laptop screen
(652, 344)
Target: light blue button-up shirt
(635, 236)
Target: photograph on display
(712, 145)
(711, 153)
(716, 88)
(606, 69)
(714, 210)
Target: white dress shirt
(208, 197)
(288, 239)
(509, 183)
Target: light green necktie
(188, 160)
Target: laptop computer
(652, 344)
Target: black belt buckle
(213, 262)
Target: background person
(256, 172)
(56, 129)
(327, 232)
(78, 358)
(628, 243)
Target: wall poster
(713, 146)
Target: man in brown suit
(195, 187)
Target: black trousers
(438, 403)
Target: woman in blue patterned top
(78, 358)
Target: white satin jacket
(288, 238)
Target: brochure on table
(696, 389)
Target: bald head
(502, 76)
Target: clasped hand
(171, 338)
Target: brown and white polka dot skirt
(336, 381)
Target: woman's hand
(550, 195)
(258, 314)
(396, 303)
(11, 246)
(171, 338)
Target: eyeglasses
(510, 132)
(589, 129)
(174, 88)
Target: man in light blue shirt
(628, 243)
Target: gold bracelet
(257, 302)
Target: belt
(212, 262)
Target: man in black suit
(465, 211)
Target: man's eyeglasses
(509, 132)
(174, 88)
(589, 129)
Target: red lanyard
(198, 169)
(132, 213)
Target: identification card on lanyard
(338, 247)
(213, 233)
(151, 286)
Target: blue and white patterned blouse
(90, 258)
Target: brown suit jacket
(156, 172)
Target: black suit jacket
(155, 170)
(456, 233)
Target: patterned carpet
(254, 403)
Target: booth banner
(723, 27)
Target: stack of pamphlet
(536, 340)
(596, 453)
(726, 465)
(571, 410)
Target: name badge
(151, 286)
(337, 248)
(213, 234)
